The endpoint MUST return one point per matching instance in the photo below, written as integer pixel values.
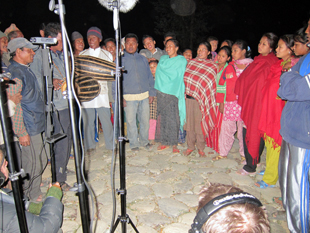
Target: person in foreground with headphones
(227, 209)
(45, 217)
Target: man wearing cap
(100, 104)
(61, 116)
(29, 118)
(77, 43)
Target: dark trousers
(250, 163)
(62, 147)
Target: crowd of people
(169, 97)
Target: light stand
(14, 176)
(81, 191)
(124, 217)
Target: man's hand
(221, 108)
(16, 98)
(151, 98)
(124, 103)
(57, 83)
(24, 140)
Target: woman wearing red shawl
(249, 90)
(200, 90)
(272, 105)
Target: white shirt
(102, 100)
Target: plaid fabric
(153, 109)
(200, 83)
(17, 119)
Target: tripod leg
(116, 223)
(53, 163)
(131, 223)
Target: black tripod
(14, 176)
(124, 217)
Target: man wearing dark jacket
(29, 119)
(294, 159)
(138, 92)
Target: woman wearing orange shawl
(249, 90)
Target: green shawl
(169, 80)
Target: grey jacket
(157, 55)
(58, 72)
(49, 220)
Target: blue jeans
(138, 110)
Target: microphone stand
(124, 217)
(14, 176)
(81, 191)
(48, 94)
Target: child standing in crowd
(224, 56)
(153, 106)
(272, 106)
(188, 54)
(300, 43)
(228, 43)
(232, 111)
(214, 43)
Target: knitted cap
(76, 35)
(94, 31)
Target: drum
(94, 67)
(87, 88)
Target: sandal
(218, 157)
(175, 150)
(245, 173)
(262, 184)
(201, 153)
(65, 187)
(243, 160)
(162, 147)
(187, 152)
(262, 172)
(278, 200)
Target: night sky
(229, 19)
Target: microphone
(125, 5)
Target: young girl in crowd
(223, 57)
(249, 90)
(214, 43)
(153, 106)
(300, 43)
(272, 106)
(228, 43)
(232, 111)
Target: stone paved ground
(161, 189)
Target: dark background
(225, 19)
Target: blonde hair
(236, 218)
